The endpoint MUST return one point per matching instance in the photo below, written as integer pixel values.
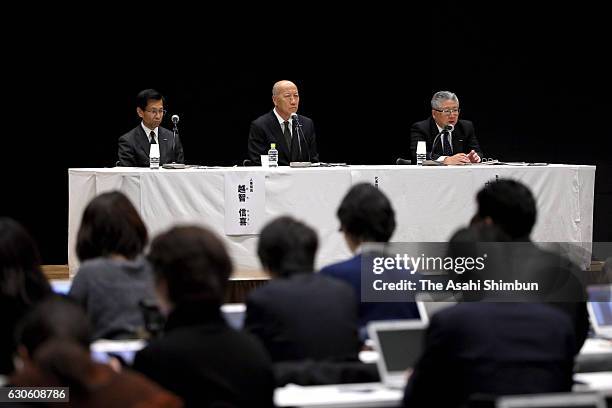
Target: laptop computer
(399, 344)
(561, 400)
(600, 309)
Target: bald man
(295, 139)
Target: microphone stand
(298, 128)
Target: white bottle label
(154, 156)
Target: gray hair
(443, 96)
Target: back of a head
(194, 264)
(510, 205)
(287, 246)
(366, 214)
(20, 275)
(55, 318)
(145, 95)
(111, 225)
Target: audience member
(22, 284)
(199, 357)
(114, 277)
(366, 215)
(54, 352)
(510, 205)
(299, 314)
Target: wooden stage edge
(61, 272)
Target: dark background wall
(532, 83)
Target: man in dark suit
(366, 215)
(510, 206)
(295, 139)
(199, 357)
(135, 145)
(299, 314)
(457, 143)
(492, 349)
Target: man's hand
(474, 157)
(459, 158)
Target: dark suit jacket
(350, 272)
(266, 130)
(305, 316)
(204, 361)
(134, 148)
(464, 139)
(495, 349)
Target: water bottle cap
(273, 145)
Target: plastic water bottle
(154, 156)
(421, 153)
(273, 156)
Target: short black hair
(143, 97)
(194, 264)
(21, 278)
(287, 246)
(54, 318)
(510, 205)
(366, 214)
(111, 225)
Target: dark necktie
(153, 138)
(287, 133)
(446, 147)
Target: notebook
(399, 344)
(600, 309)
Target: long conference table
(430, 202)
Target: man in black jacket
(135, 145)
(455, 140)
(293, 134)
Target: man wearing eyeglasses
(135, 145)
(456, 144)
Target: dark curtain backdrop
(533, 85)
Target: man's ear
(139, 112)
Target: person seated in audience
(366, 215)
(300, 314)
(54, 340)
(199, 357)
(479, 350)
(114, 277)
(510, 206)
(22, 284)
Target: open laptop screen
(600, 308)
(399, 344)
(400, 348)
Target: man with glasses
(456, 144)
(135, 145)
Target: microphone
(298, 128)
(175, 119)
(447, 128)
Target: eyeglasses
(447, 112)
(155, 111)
